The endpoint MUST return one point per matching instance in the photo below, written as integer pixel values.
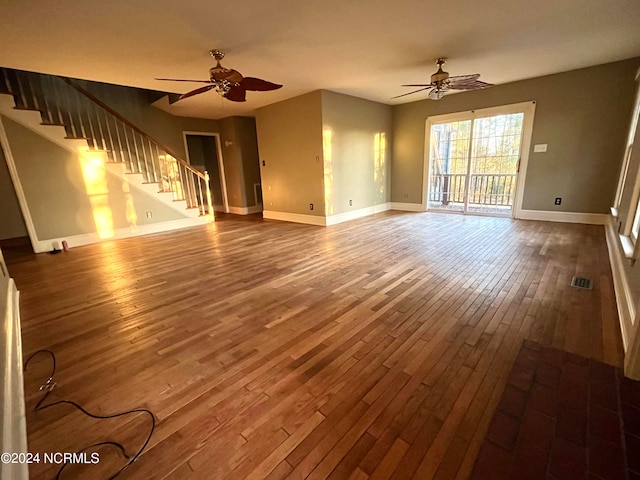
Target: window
(631, 222)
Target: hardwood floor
(375, 349)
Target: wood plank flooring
(375, 349)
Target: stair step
(76, 138)
(27, 109)
(53, 124)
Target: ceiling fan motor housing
(439, 76)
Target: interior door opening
(475, 159)
(204, 153)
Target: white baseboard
(624, 298)
(564, 217)
(325, 221)
(408, 207)
(359, 213)
(294, 217)
(245, 210)
(90, 238)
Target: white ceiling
(365, 48)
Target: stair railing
(63, 102)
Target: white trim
(245, 210)
(564, 217)
(127, 232)
(223, 176)
(14, 423)
(407, 207)
(295, 217)
(624, 170)
(527, 108)
(614, 212)
(22, 199)
(627, 246)
(624, 297)
(359, 213)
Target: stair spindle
(21, 90)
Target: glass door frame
(527, 108)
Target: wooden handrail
(131, 125)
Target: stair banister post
(209, 203)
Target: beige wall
(290, 145)
(54, 188)
(581, 115)
(352, 128)
(11, 221)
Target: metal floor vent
(580, 282)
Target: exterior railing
(484, 189)
(60, 101)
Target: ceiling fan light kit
(441, 83)
(227, 82)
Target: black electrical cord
(48, 387)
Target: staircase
(76, 120)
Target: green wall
(356, 142)
(290, 145)
(582, 116)
(54, 188)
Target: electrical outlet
(264, 164)
(406, 195)
(149, 214)
(350, 203)
(558, 201)
(311, 206)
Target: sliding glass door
(473, 162)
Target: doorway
(204, 153)
(475, 161)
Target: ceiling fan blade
(419, 85)
(474, 85)
(411, 93)
(464, 78)
(257, 84)
(181, 80)
(236, 94)
(196, 92)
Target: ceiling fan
(441, 83)
(227, 82)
